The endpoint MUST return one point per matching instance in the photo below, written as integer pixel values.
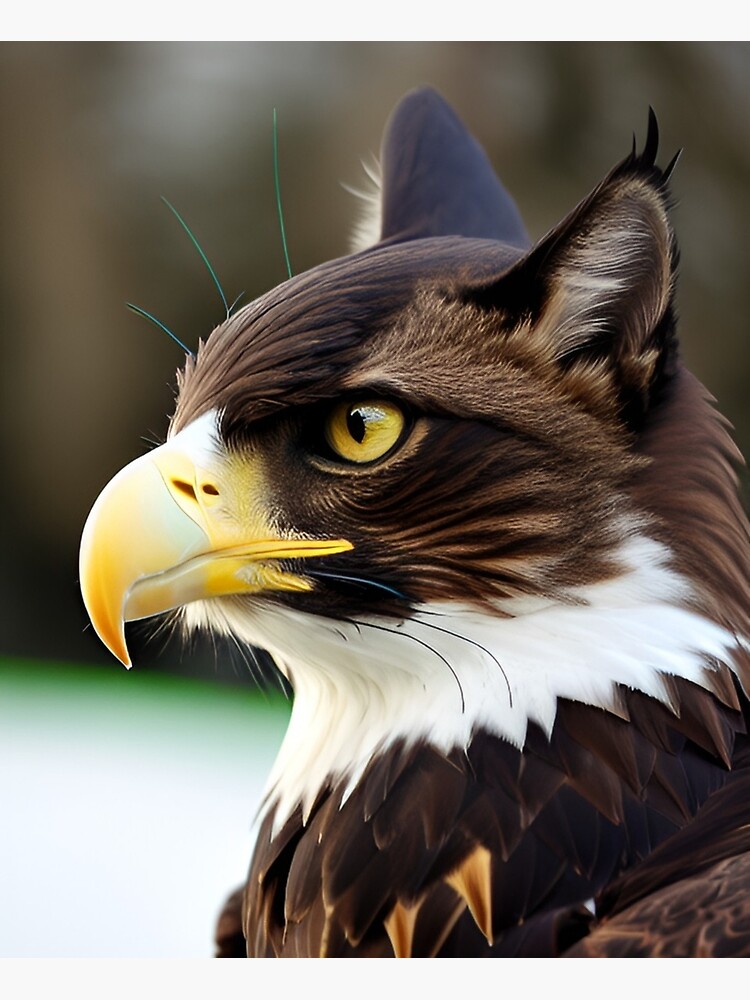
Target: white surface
(125, 814)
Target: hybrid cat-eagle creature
(465, 493)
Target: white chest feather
(449, 670)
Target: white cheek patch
(450, 670)
(200, 438)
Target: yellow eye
(364, 431)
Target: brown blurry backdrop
(93, 134)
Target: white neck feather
(450, 670)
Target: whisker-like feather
(473, 642)
(199, 248)
(426, 645)
(277, 184)
(232, 307)
(346, 578)
(165, 329)
(152, 439)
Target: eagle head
(451, 482)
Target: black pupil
(355, 422)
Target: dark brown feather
(707, 916)
(338, 886)
(229, 935)
(691, 896)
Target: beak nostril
(185, 488)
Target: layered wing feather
(497, 852)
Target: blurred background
(92, 135)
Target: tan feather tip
(399, 925)
(472, 880)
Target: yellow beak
(163, 533)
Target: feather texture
(465, 493)
(579, 755)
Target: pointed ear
(437, 180)
(596, 292)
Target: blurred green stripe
(39, 679)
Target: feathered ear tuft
(597, 290)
